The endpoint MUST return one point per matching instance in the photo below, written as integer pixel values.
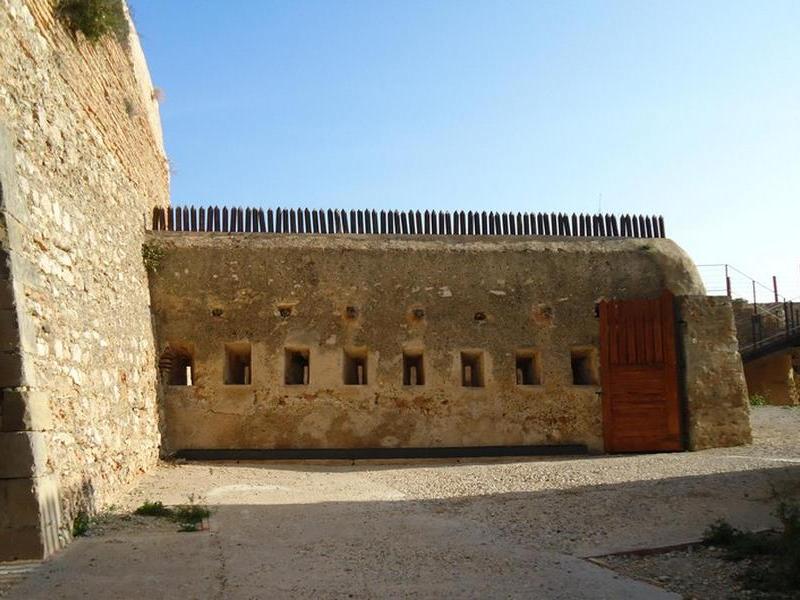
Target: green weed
(187, 516)
(154, 509)
(152, 256)
(778, 569)
(95, 19)
(80, 526)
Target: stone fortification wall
(281, 304)
(774, 378)
(82, 163)
(718, 412)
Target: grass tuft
(188, 516)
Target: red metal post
(728, 282)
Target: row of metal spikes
(282, 220)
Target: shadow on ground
(276, 536)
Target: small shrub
(95, 18)
(154, 509)
(720, 533)
(191, 514)
(758, 400)
(748, 545)
(80, 526)
(152, 256)
(778, 570)
(788, 513)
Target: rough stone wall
(293, 292)
(718, 412)
(769, 320)
(773, 378)
(83, 164)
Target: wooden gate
(639, 375)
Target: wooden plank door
(639, 375)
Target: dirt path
(511, 529)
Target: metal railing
(773, 330)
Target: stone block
(714, 385)
(5, 265)
(772, 377)
(7, 300)
(22, 454)
(11, 371)
(21, 543)
(19, 506)
(9, 330)
(25, 411)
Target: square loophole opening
(584, 367)
(297, 366)
(238, 364)
(472, 368)
(355, 366)
(528, 369)
(177, 365)
(413, 368)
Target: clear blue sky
(689, 109)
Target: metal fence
(772, 331)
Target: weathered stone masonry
(81, 162)
(298, 310)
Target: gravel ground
(697, 573)
(584, 506)
(509, 528)
(700, 572)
